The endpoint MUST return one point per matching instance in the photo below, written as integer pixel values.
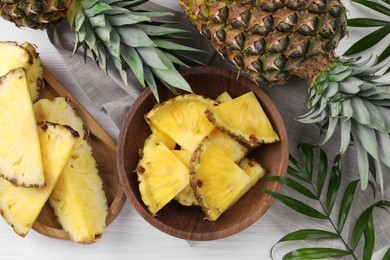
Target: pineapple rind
(183, 119)
(78, 199)
(21, 206)
(187, 196)
(217, 181)
(23, 56)
(161, 175)
(20, 156)
(243, 118)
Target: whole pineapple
(272, 40)
(115, 32)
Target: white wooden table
(129, 236)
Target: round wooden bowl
(189, 222)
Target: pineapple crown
(115, 31)
(355, 95)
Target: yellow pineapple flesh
(254, 170)
(161, 175)
(182, 118)
(78, 199)
(225, 96)
(20, 156)
(218, 182)
(21, 206)
(233, 148)
(169, 142)
(187, 196)
(24, 56)
(243, 118)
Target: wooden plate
(188, 222)
(104, 151)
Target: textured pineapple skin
(34, 14)
(271, 40)
(78, 199)
(25, 56)
(21, 206)
(20, 156)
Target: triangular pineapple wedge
(20, 156)
(183, 119)
(243, 118)
(217, 181)
(24, 56)
(254, 170)
(161, 174)
(21, 206)
(78, 199)
(233, 148)
(187, 196)
(225, 96)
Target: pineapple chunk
(78, 199)
(15, 56)
(187, 196)
(244, 118)
(169, 142)
(234, 149)
(183, 119)
(161, 174)
(21, 206)
(254, 170)
(223, 97)
(20, 156)
(217, 181)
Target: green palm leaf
(315, 253)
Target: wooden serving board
(104, 151)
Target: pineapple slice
(244, 118)
(161, 174)
(20, 156)
(15, 56)
(183, 119)
(234, 149)
(217, 181)
(225, 96)
(187, 196)
(254, 170)
(78, 199)
(21, 206)
(169, 142)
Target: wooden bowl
(104, 151)
(189, 222)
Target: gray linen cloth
(111, 95)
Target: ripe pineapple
(161, 174)
(187, 196)
(244, 119)
(274, 40)
(254, 170)
(169, 142)
(20, 156)
(78, 199)
(25, 56)
(21, 206)
(234, 149)
(225, 96)
(120, 32)
(217, 181)
(183, 119)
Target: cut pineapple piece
(161, 174)
(187, 196)
(21, 206)
(234, 149)
(78, 199)
(254, 170)
(217, 181)
(20, 156)
(223, 97)
(15, 56)
(183, 119)
(244, 118)
(169, 142)
(59, 110)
